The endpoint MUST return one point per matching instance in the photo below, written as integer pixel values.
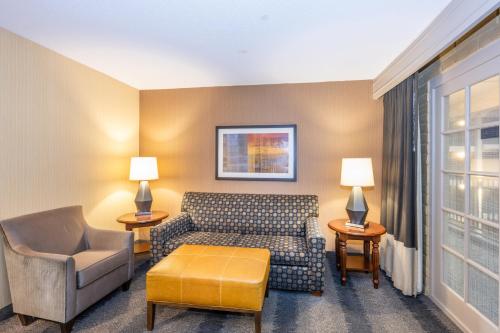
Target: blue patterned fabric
(316, 244)
(165, 231)
(201, 238)
(285, 250)
(287, 225)
(258, 214)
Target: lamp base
(357, 208)
(143, 199)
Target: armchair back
(60, 231)
(258, 214)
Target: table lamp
(143, 169)
(357, 173)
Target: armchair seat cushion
(285, 250)
(201, 238)
(91, 265)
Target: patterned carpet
(356, 307)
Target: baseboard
(6, 312)
(452, 317)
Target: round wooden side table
(132, 221)
(357, 263)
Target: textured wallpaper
(66, 135)
(334, 120)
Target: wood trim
(453, 23)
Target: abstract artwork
(256, 152)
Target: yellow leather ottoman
(210, 277)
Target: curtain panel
(401, 248)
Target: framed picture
(261, 152)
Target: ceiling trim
(453, 22)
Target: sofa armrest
(316, 243)
(41, 284)
(101, 239)
(314, 237)
(167, 230)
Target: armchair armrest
(41, 284)
(101, 239)
(317, 254)
(167, 230)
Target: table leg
(366, 254)
(375, 262)
(337, 250)
(258, 321)
(150, 314)
(343, 260)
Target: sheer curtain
(401, 248)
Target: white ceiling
(154, 44)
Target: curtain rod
(469, 33)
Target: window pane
(484, 101)
(454, 231)
(454, 192)
(483, 245)
(454, 110)
(484, 197)
(484, 151)
(455, 151)
(453, 272)
(483, 294)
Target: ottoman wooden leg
(151, 316)
(258, 320)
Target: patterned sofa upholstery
(285, 224)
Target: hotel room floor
(356, 307)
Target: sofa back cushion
(60, 231)
(258, 214)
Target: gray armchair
(57, 265)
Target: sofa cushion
(266, 214)
(201, 238)
(90, 265)
(285, 250)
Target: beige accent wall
(66, 135)
(334, 120)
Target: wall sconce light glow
(461, 186)
(461, 123)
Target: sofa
(287, 225)
(57, 265)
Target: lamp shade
(357, 172)
(143, 168)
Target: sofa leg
(317, 293)
(25, 320)
(151, 316)
(67, 327)
(126, 285)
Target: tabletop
(373, 229)
(131, 218)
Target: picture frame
(256, 152)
